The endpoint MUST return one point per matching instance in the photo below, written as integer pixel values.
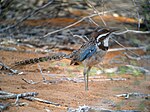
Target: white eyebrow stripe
(102, 35)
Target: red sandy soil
(101, 94)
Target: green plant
(142, 106)
(129, 70)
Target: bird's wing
(87, 52)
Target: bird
(92, 52)
(89, 54)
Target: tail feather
(58, 56)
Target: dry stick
(30, 81)
(5, 67)
(4, 106)
(96, 109)
(127, 95)
(97, 12)
(129, 48)
(8, 48)
(44, 79)
(90, 19)
(6, 95)
(76, 23)
(80, 80)
(85, 40)
(26, 17)
(22, 95)
(41, 100)
(132, 31)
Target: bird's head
(101, 37)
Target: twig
(4, 106)
(26, 17)
(141, 69)
(5, 93)
(127, 95)
(12, 96)
(132, 31)
(80, 80)
(44, 79)
(80, 109)
(110, 79)
(7, 48)
(30, 81)
(28, 96)
(5, 67)
(90, 19)
(85, 40)
(127, 48)
(137, 58)
(41, 100)
(79, 21)
(97, 12)
(94, 109)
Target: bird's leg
(86, 76)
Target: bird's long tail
(57, 56)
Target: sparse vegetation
(33, 28)
(129, 70)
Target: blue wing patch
(87, 52)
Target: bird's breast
(95, 58)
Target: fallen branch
(12, 96)
(28, 96)
(3, 106)
(94, 109)
(5, 67)
(8, 48)
(80, 80)
(41, 100)
(127, 95)
(44, 81)
(30, 81)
